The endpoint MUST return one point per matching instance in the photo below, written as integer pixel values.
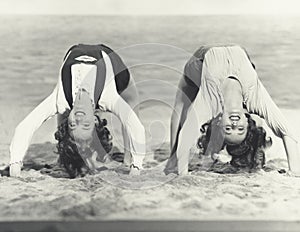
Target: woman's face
(81, 121)
(235, 126)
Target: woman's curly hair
(250, 153)
(69, 156)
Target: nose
(234, 124)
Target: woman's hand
(293, 174)
(222, 157)
(15, 169)
(134, 170)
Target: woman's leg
(185, 96)
(186, 93)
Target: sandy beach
(113, 195)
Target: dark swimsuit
(122, 75)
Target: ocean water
(154, 47)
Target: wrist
(134, 166)
(293, 173)
(294, 168)
(16, 162)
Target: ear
(96, 120)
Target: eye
(86, 124)
(227, 129)
(72, 124)
(240, 128)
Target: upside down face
(81, 121)
(235, 126)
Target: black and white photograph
(139, 115)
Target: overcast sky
(149, 7)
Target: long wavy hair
(69, 156)
(250, 153)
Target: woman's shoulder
(258, 120)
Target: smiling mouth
(235, 117)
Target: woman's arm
(110, 100)
(262, 104)
(187, 91)
(25, 130)
(134, 129)
(293, 154)
(198, 113)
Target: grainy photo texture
(130, 115)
